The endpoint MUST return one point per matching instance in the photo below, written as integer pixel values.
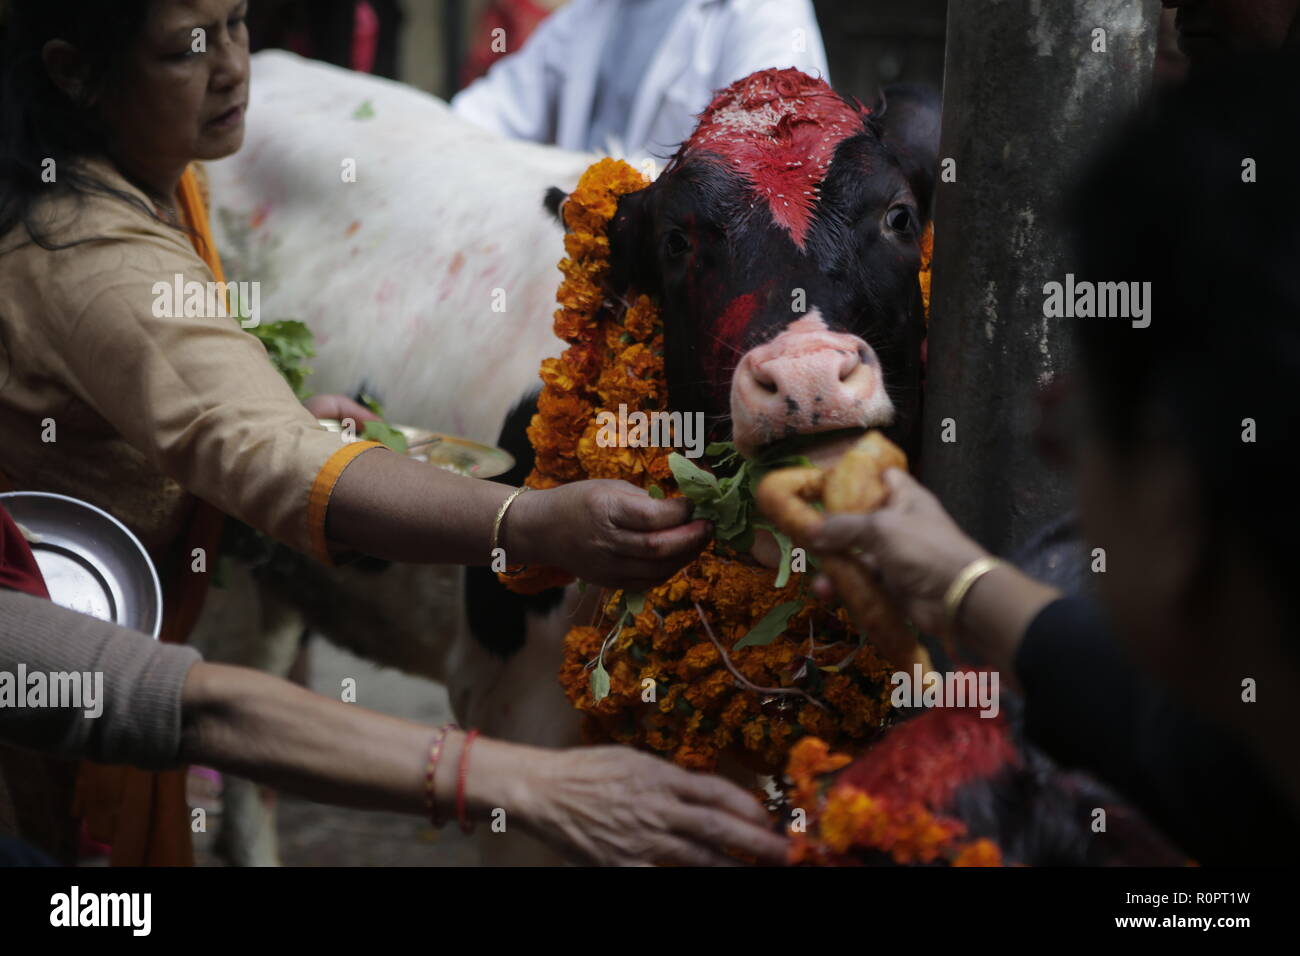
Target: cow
(781, 243)
(782, 246)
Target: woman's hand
(612, 806)
(913, 544)
(339, 407)
(610, 533)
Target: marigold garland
(844, 823)
(813, 679)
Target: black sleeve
(1088, 706)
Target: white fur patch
(401, 274)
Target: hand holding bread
(853, 485)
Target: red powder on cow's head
(779, 130)
(730, 329)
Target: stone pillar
(1028, 94)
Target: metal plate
(449, 452)
(90, 561)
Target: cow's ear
(554, 203)
(908, 117)
(633, 264)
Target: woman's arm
(158, 705)
(197, 396)
(606, 805)
(608, 532)
(128, 687)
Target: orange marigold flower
(659, 469)
(850, 816)
(927, 258)
(586, 245)
(641, 319)
(754, 733)
(914, 835)
(811, 757)
(981, 852)
(696, 754)
(574, 324)
(699, 658)
(556, 375)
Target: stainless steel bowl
(91, 562)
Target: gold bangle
(496, 525)
(961, 585)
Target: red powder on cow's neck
(779, 130)
(928, 759)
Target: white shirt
(545, 91)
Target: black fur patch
(498, 616)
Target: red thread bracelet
(465, 825)
(435, 754)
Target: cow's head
(781, 243)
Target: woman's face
(184, 87)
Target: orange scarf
(144, 814)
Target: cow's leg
(247, 835)
(518, 698)
(245, 625)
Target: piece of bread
(853, 485)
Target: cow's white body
(431, 278)
(430, 281)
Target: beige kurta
(102, 399)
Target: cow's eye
(676, 244)
(899, 219)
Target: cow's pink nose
(806, 380)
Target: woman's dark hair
(38, 121)
(1200, 196)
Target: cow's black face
(782, 244)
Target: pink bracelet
(465, 826)
(435, 754)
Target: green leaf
(787, 546)
(730, 508)
(721, 452)
(372, 403)
(656, 492)
(729, 501)
(771, 627)
(743, 541)
(599, 682)
(288, 344)
(386, 434)
(365, 111)
(695, 483)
